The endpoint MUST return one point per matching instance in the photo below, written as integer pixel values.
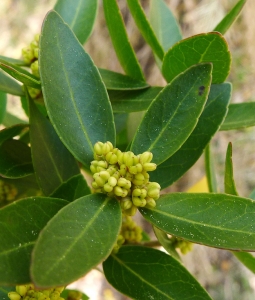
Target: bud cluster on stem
(8, 192)
(124, 175)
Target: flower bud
(21, 289)
(98, 148)
(112, 181)
(131, 211)
(14, 296)
(143, 193)
(118, 191)
(145, 157)
(123, 170)
(111, 158)
(138, 201)
(153, 193)
(126, 203)
(149, 166)
(27, 54)
(93, 169)
(35, 68)
(105, 175)
(129, 176)
(108, 188)
(100, 181)
(150, 202)
(107, 147)
(36, 53)
(136, 193)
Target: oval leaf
(216, 220)
(172, 116)
(79, 15)
(207, 47)
(78, 238)
(208, 124)
(20, 225)
(118, 81)
(229, 183)
(53, 163)
(121, 44)
(75, 96)
(11, 132)
(72, 189)
(164, 24)
(15, 159)
(240, 115)
(153, 274)
(145, 27)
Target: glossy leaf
(210, 170)
(3, 102)
(15, 159)
(173, 114)
(230, 17)
(118, 81)
(10, 85)
(229, 183)
(78, 238)
(72, 189)
(133, 101)
(240, 115)
(75, 96)
(79, 15)
(17, 62)
(145, 273)
(53, 163)
(20, 224)
(246, 259)
(208, 124)
(164, 24)
(166, 243)
(216, 220)
(145, 27)
(20, 74)
(120, 41)
(207, 47)
(11, 132)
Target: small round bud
(36, 52)
(123, 170)
(153, 193)
(112, 181)
(111, 158)
(126, 203)
(136, 193)
(104, 174)
(118, 191)
(98, 148)
(138, 201)
(35, 68)
(21, 289)
(149, 166)
(14, 296)
(150, 202)
(143, 193)
(100, 181)
(145, 157)
(108, 188)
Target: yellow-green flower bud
(14, 296)
(100, 181)
(136, 193)
(143, 193)
(36, 53)
(34, 44)
(37, 37)
(60, 289)
(35, 68)
(111, 158)
(98, 148)
(138, 168)
(54, 295)
(138, 201)
(93, 168)
(128, 158)
(145, 157)
(152, 185)
(116, 175)
(27, 54)
(150, 202)
(126, 203)
(22, 289)
(149, 167)
(108, 188)
(102, 164)
(122, 182)
(123, 170)
(153, 193)
(112, 169)
(112, 181)
(118, 191)
(120, 157)
(44, 297)
(74, 295)
(107, 147)
(94, 185)
(105, 175)
(131, 211)
(129, 176)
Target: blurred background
(217, 270)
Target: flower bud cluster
(124, 175)
(74, 295)
(183, 245)
(30, 56)
(8, 192)
(28, 292)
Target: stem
(151, 244)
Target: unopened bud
(14, 296)
(111, 158)
(149, 166)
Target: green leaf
(206, 47)
(79, 15)
(173, 114)
(240, 115)
(210, 171)
(75, 96)
(252, 195)
(11, 132)
(4, 292)
(166, 243)
(78, 238)
(20, 225)
(20, 74)
(145, 273)
(15, 159)
(72, 189)
(118, 81)
(145, 27)
(164, 24)
(208, 124)
(229, 183)
(133, 101)
(120, 41)
(230, 18)
(216, 220)
(3, 102)
(246, 259)
(11, 120)
(17, 62)
(53, 163)
(9, 85)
